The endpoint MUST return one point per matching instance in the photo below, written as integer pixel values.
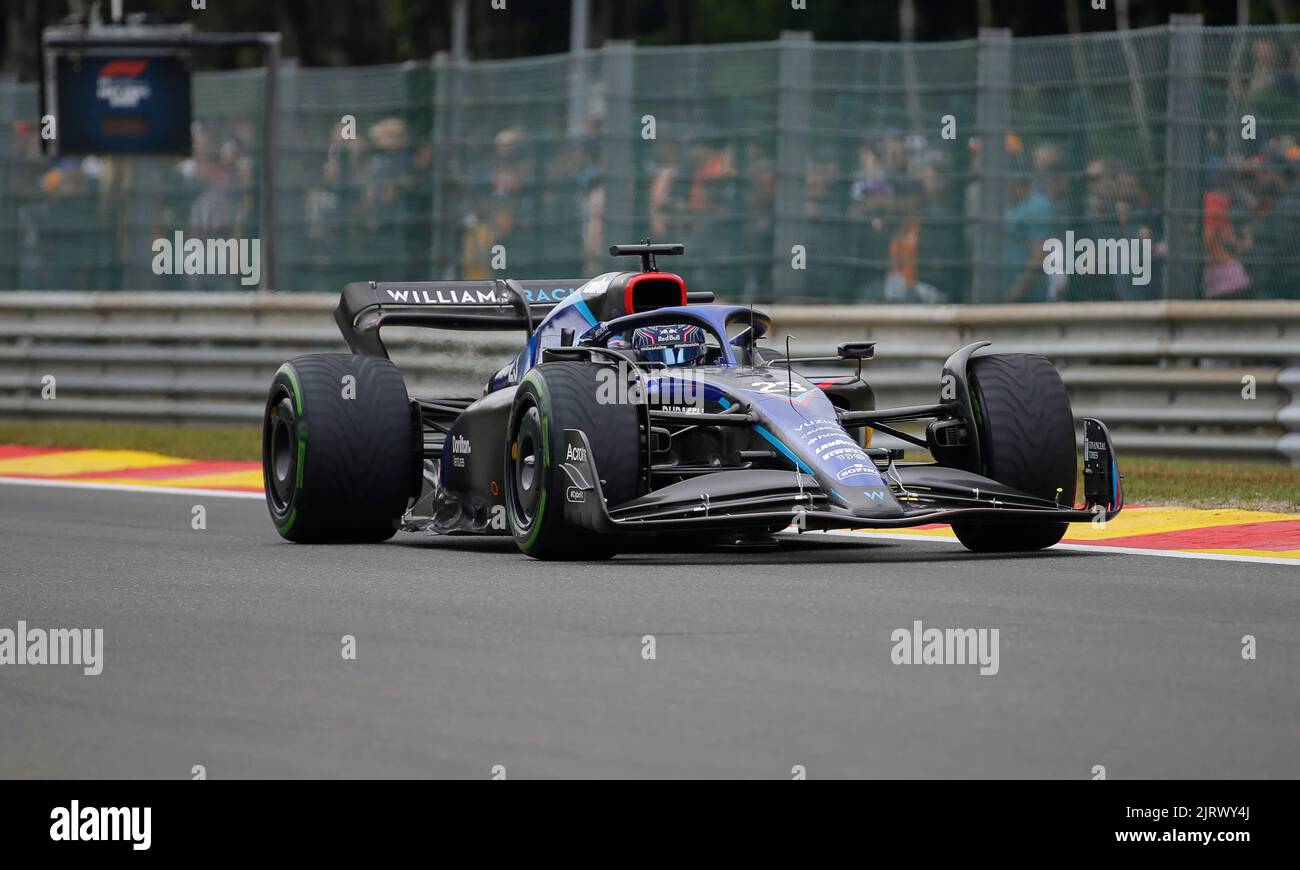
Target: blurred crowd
(885, 216)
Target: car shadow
(787, 550)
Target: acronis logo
(119, 84)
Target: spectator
(666, 194)
(1223, 275)
(1275, 237)
(1029, 222)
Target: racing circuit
(222, 647)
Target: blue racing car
(639, 408)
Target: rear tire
(338, 455)
(1027, 441)
(551, 398)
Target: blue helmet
(670, 345)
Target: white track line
(128, 487)
(1087, 548)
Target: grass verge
(188, 442)
(1196, 483)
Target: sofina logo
(119, 86)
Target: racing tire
(338, 456)
(551, 398)
(1027, 441)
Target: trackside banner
(123, 104)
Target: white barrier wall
(1175, 378)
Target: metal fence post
(442, 261)
(618, 150)
(993, 122)
(10, 244)
(794, 123)
(1183, 161)
(270, 156)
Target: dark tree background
(337, 32)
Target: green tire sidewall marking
(288, 524)
(288, 372)
(535, 530)
(292, 377)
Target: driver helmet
(679, 344)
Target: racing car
(637, 408)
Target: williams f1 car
(637, 408)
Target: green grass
(1146, 481)
(189, 442)
(1201, 484)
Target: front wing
(585, 504)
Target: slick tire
(338, 449)
(551, 398)
(1027, 441)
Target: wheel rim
(282, 458)
(526, 478)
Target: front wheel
(551, 398)
(338, 449)
(1027, 441)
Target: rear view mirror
(858, 350)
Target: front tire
(551, 398)
(1027, 441)
(338, 449)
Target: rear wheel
(551, 398)
(1027, 441)
(338, 449)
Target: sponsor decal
(453, 296)
(575, 454)
(575, 495)
(460, 448)
(857, 469)
(823, 449)
(876, 493)
(819, 425)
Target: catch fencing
(793, 170)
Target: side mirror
(859, 350)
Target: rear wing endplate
(366, 306)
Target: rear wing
(365, 306)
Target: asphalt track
(223, 648)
